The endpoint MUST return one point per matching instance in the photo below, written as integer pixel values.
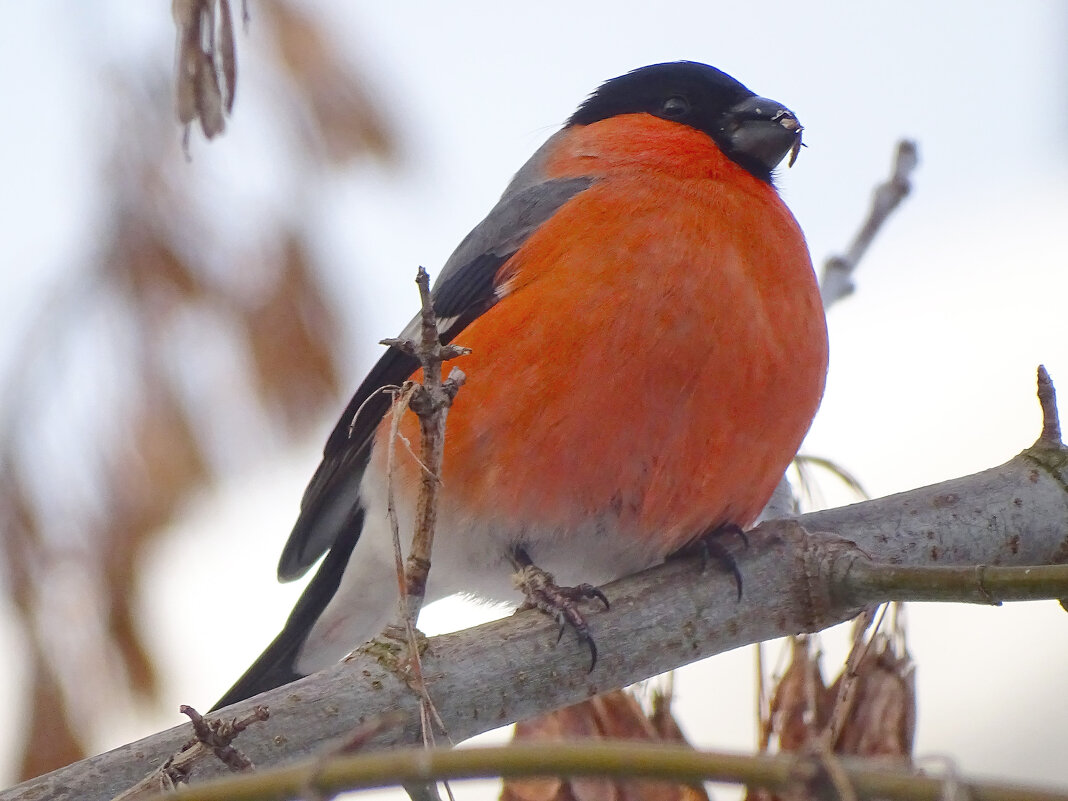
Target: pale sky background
(932, 361)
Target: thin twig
(837, 279)
(431, 403)
(397, 410)
(977, 584)
(391, 389)
(1047, 400)
(214, 737)
(780, 773)
(430, 400)
(763, 702)
(400, 405)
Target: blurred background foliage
(164, 358)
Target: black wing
(331, 515)
(465, 290)
(275, 665)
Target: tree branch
(212, 739)
(798, 579)
(801, 576)
(430, 401)
(837, 280)
(1047, 400)
(780, 773)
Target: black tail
(276, 665)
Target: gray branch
(796, 580)
(837, 280)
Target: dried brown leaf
(50, 740)
(292, 335)
(668, 730)
(348, 121)
(879, 720)
(170, 451)
(799, 705)
(570, 722)
(591, 788)
(21, 537)
(141, 674)
(186, 15)
(882, 721)
(578, 722)
(663, 719)
(616, 715)
(148, 480)
(205, 54)
(209, 101)
(149, 269)
(551, 788)
(620, 716)
(163, 461)
(227, 54)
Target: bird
(648, 349)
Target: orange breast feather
(659, 354)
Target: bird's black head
(752, 131)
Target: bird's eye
(675, 106)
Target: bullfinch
(648, 349)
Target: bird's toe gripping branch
(541, 591)
(710, 546)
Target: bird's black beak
(762, 132)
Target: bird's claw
(542, 592)
(710, 546)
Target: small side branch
(837, 280)
(782, 773)
(1047, 399)
(430, 401)
(977, 584)
(213, 737)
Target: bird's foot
(710, 546)
(542, 592)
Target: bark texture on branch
(796, 580)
